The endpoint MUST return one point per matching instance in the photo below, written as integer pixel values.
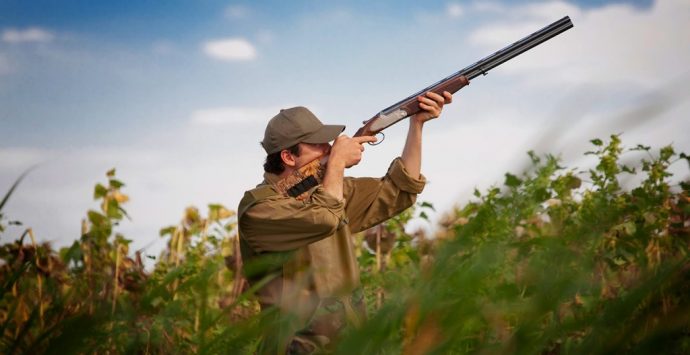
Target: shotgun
(311, 174)
(456, 81)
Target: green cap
(297, 125)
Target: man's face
(308, 152)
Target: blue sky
(176, 96)
(128, 75)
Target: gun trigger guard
(383, 137)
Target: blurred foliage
(553, 261)
(94, 297)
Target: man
(315, 285)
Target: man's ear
(288, 158)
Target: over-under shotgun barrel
(454, 82)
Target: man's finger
(365, 139)
(434, 96)
(436, 100)
(448, 96)
(426, 107)
(429, 101)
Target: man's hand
(345, 152)
(432, 104)
(348, 151)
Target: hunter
(314, 287)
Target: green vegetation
(554, 261)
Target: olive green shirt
(318, 230)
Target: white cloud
(615, 44)
(32, 34)
(222, 116)
(454, 10)
(230, 49)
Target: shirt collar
(270, 178)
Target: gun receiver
(410, 106)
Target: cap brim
(326, 134)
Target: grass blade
(14, 186)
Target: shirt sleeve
(370, 201)
(282, 223)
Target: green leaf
(685, 185)
(124, 213)
(542, 194)
(14, 186)
(166, 231)
(597, 142)
(574, 182)
(96, 218)
(122, 240)
(99, 191)
(512, 180)
(666, 153)
(426, 204)
(686, 157)
(110, 173)
(114, 210)
(116, 184)
(628, 169)
(73, 253)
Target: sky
(176, 95)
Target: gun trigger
(383, 137)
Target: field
(551, 261)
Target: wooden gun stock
(409, 107)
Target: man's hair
(274, 163)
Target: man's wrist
(416, 125)
(335, 163)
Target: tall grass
(553, 261)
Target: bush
(554, 261)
